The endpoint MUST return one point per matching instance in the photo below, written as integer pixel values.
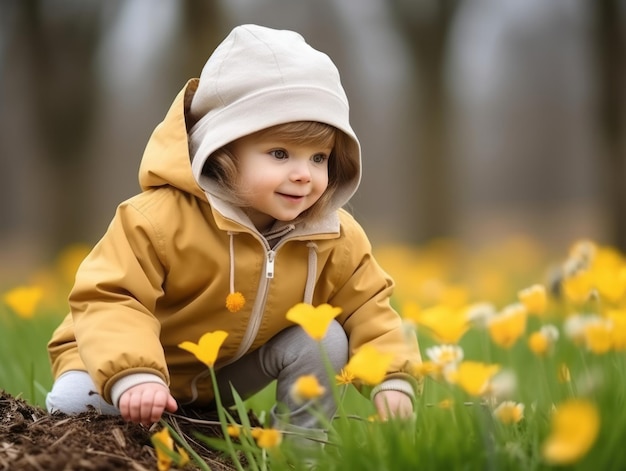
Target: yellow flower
(598, 336)
(618, 333)
(447, 324)
(207, 348)
(235, 301)
(609, 273)
(534, 299)
(164, 445)
(162, 441)
(233, 431)
(24, 300)
(314, 320)
(508, 326)
(369, 365)
(267, 438)
(428, 368)
(306, 388)
(542, 341)
(344, 377)
(538, 343)
(574, 429)
(184, 457)
(577, 287)
(411, 312)
(509, 412)
(473, 377)
(611, 283)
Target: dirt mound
(31, 439)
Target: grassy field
(524, 360)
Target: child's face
(280, 180)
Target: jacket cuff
(127, 382)
(395, 384)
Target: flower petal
(24, 300)
(369, 365)
(314, 320)
(306, 388)
(207, 348)
(575, 427)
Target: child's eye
(280, 154)
(319, 158)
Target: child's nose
(301, 172)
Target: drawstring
(235, 300)
(231, 257)
(311, 273)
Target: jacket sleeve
(364, 294)
(113, 301)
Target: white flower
(480, 314)
(575, 325)
(580, 256)
(445, 355)
(509, 412)
(503, 385)
(550, 332)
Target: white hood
(260, 77)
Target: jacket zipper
(259, 306)
(269, 265)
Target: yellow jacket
(161, 272)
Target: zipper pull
(269, 266)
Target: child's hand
(145, 403)
(393, 404)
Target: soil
(31, 439)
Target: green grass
(463, 434)
(24, 366)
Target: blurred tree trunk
(425, 26)
(203, 29)
(59, 46)
(610, 36)
(61, 81)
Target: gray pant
(286, 357)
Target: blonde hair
(222, 164)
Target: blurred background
(480, 120)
